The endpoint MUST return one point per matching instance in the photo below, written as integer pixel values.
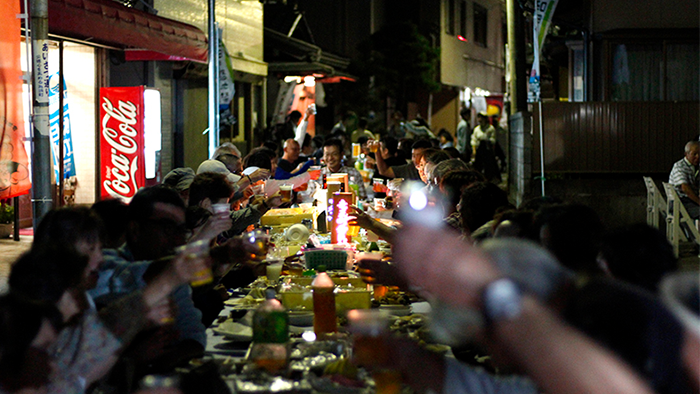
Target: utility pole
(516, 51)
(42, 201)
(213, 114)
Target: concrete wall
(520, 181)
(465, 63)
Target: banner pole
(541, 148)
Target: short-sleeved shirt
(406, 171)
(684, 173)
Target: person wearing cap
(228, 154)
(180, 180)
(238, 182)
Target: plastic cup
(193, 251)
(274, 270)
(374, 147)
(356, 149)
(220, 208)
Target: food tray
(332, 259)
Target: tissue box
(287, 216)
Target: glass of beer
(369, 329)
(373, 146)
(195, 251)
(286, 193)
(261, 241)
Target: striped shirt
(684, 173)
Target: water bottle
(270, 350)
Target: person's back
(684, 178)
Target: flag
(14, 163)
(544, 9)
(68, 159)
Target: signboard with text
(122, 163)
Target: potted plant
(7, 218)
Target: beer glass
(197, 250)
(286, 193)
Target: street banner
(544, 9)
(14, 163)
(122, 161)
(54, 129)
(227, 88)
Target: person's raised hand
(260, 174)
(274, 200)
(359, 217)
(377, 271)
(439, 261)
(215, 225)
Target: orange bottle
(324, 305)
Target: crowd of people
(561, 304)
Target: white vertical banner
(544, 9)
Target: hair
(464, 112)
(454, 182)
(307, 141)
(20, 322)
(482, 116)
(574, 235)
(638, 254)
(391, 144)
(209, 185)
(143, 204)
(114, 216)
(44, 273)
(453, 152)
(421, 144)
(271, 145)
(290, 141)
(362, 140)
(479, 203)
(362, 123)
(446, 134)
(294, 116)
(435, 156)
(260, 157)
(68, 226)
(521, 224)
(690, 144)
(334, 142)
(226, 148)
(445, 166)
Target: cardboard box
(287, 216)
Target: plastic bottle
(270, 349)
(324, 305)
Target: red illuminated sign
(122, 167)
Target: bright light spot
(418, 201)
(309, 81)
(481, 92)
(461, 38)
(292, 78)
(252, 239)
(152, 130)
(308, 336)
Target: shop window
(480, 25)
(450, 17)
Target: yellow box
(345, 300)
(287, 216)
(356, 283)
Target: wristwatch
(502, 300)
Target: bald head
(692, 152)
(291, 150)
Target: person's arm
(534, 338)
(382, 167)
(300, 131)
(363, 220)
(272, 186)
(688, 190)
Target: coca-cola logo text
(121, 137)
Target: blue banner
(68, 160)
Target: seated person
(405, 171)
(333, 158)
(684, 178)
(290, 162)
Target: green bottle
(270, 350)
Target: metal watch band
(502, 300)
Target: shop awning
(110, 23)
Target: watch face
(502, 300)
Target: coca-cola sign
(121, 142)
